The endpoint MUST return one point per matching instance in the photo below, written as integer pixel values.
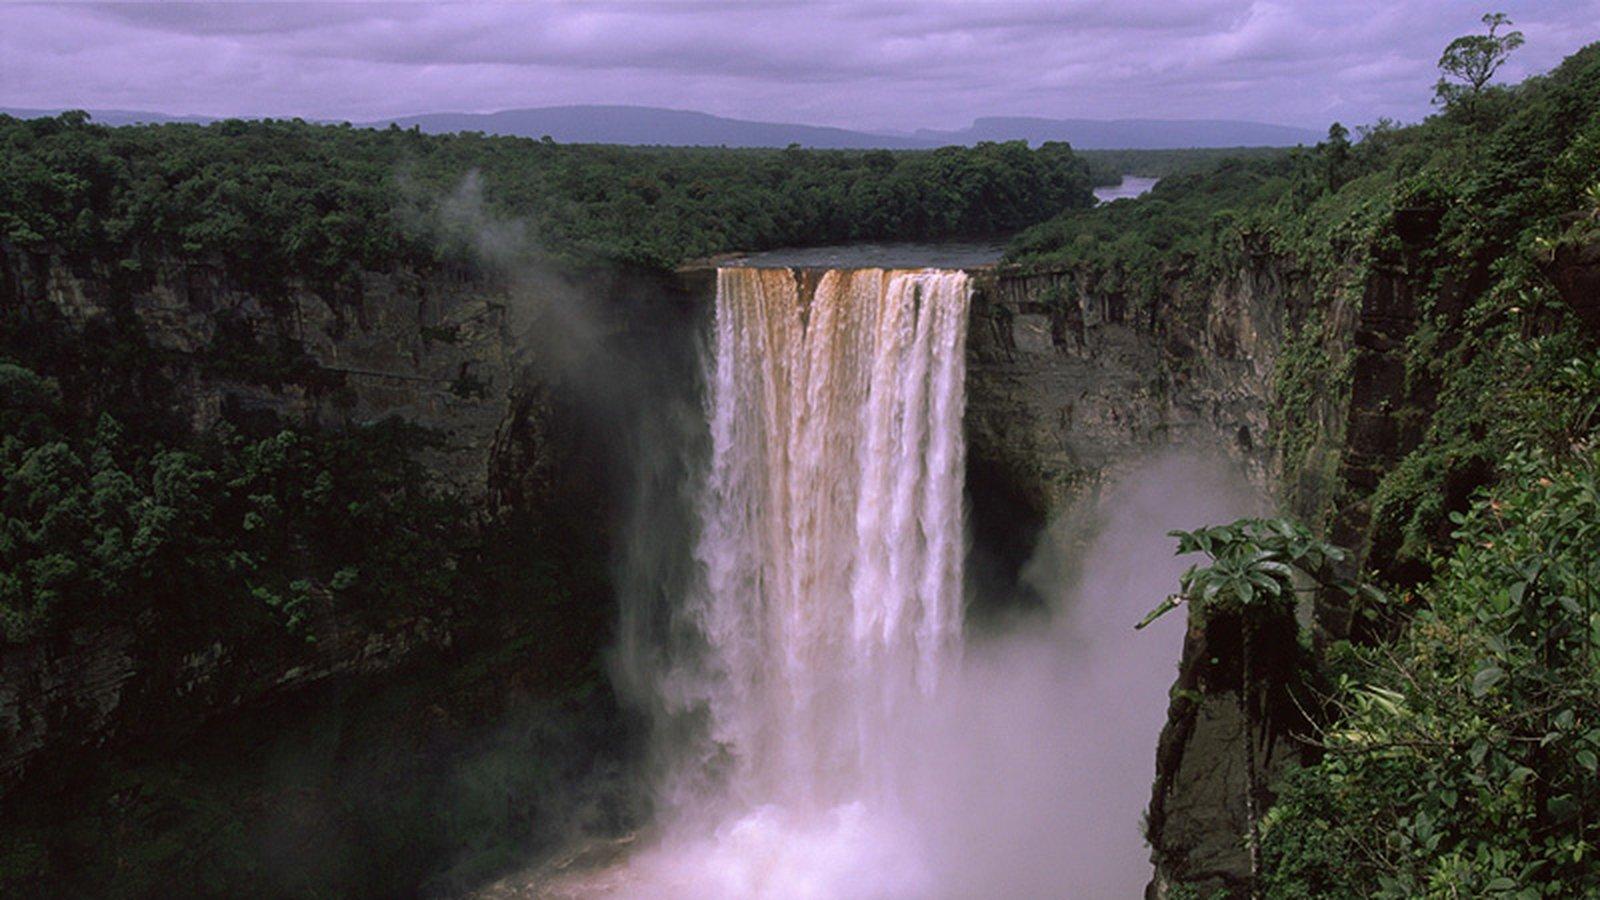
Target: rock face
(1066, 388)
(436, 350)
(448, 351)
(1575, 270)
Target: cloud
(882, 65)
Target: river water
(899, 255)
(1130, 186)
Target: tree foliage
(1472, 60)
(221, 532)
(281, 199)
(1252, 569)
(1251, 578)
(1464, 758)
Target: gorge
(1051, 419)
(828, 723)
(1058, 404)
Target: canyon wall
(1070, 385)
(449, 351)
(1070, 382)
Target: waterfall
(831, 520)
(824, 730)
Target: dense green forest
(288, 202)
(1108, 166)
(287, 198)
(110, 508)
(1457, 751)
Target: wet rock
(1575, 269)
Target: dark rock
(441, 351)
(1575, 270)
(1417, 225)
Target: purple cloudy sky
(870, 65)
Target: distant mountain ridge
(648, 125)
(1127, 134)
(108, 116)
(651, 125)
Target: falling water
(829, 608)
(832, 519)
(826, 732)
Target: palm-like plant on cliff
(1256, 572)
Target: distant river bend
(1131, 186)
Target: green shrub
(1466, 759)
(218, 530)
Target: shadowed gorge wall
(532, 446)
(1065, 390)
(1068, 389)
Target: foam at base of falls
(773, 853)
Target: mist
(1026, 774)
(610, 363)
(1032, 774)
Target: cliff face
(436, 350)
(1067, 388)
(446, 351)
(1575, 270)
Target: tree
(1472, 60)
(1336, 155)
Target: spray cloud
(806, 751)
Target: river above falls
(1130, 186)
(907, 255)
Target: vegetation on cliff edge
(1461, 756)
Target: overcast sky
(867, 65)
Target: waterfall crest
(831, 520)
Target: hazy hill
(672, 127)
(1126, 134)
(650, 125)
(107, 116)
